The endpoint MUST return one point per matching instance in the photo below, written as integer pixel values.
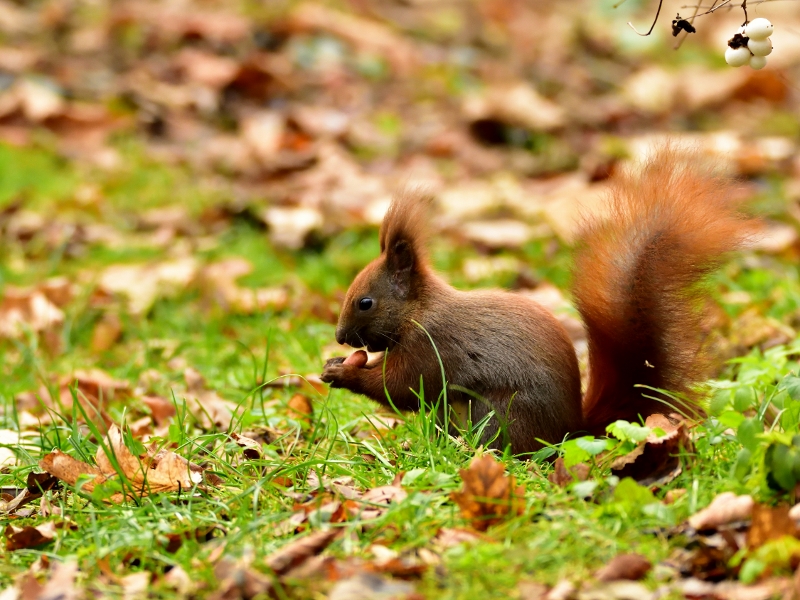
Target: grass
(559, 536)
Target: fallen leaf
(374, 503)
(296, 552)
(367, 35)
(489, 496)
(135, 585)
(624, 566)
(218, 283)
(60, 584)
(300, 407)
(180, 581)
(143, 284)
(562, 476)
(516, 104)
(724, 509)
(206, 69)
(656, 460)
(211, 410)
(27, 536)
(37, 484)
(153, 473)
(531, 590)
(769, 523)
(251, 449)
(450, 536)
(161, 409)
(289, 227)
(497, 234)
(29, 309)
(107, 332)
(370, 586)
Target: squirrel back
(638, 278)
(637, 285)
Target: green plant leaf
(748, 433)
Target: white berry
(758, 29)
(737, 57)
(760, 47)
(758, 62)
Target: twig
(649, 31)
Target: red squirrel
(635, 284)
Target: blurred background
(185, 181)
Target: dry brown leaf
(656, 460)
(377, 426)
(218, 283)
(28, 536)
(106, 333)
(453, 536)
(724, 509)
(770, 523)
(374, 502)
(206, 69)
(364, 34)
(531, 590)
(135, 585)
(298, 551)
(30, 310)
(370, 586)
(251, 449)
(208, 407)
(624, 566)
(497, 233)
(300, 407)
(37, 484)
(516, 104)
(155, 472)
(172, 23)
(161, 409)
(562, 477)
(263, 132)
(289, 227)
(489, 495)
(143, 284)
(733, 590)
(60, 584)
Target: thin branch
(649, 31)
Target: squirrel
(636, 285)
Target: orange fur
(637, 277)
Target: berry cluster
(751, 45)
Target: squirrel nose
(340, 337)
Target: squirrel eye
(365, 303)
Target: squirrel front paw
(336, 372)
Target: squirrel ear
(403, 238)
(401, 260)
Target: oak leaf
(489, 495)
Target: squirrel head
(383, 296)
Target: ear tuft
(404, 236)
(407, 221)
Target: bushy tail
(638, 277)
